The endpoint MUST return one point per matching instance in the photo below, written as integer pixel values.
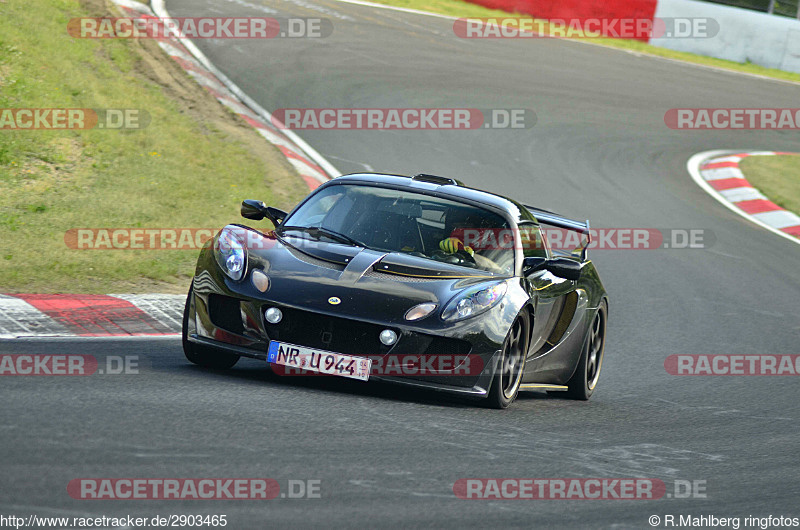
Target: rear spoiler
(553, 219)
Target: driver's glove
(451, 245)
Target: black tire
(584, 381)
(203, 355)
(507, 379)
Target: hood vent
(434, 179)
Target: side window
(531, 240)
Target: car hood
(369, 284)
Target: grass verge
(190, 167)
(461, 9)
(777, 177)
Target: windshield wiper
(332, 234)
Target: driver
(452, 245)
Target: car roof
(443, 187)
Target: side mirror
(565, 268)
(561, 267)
(275, 215)
(257, 210)
(252, 209)
(531, 265)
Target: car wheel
(584, 380)
(505, 385)
(203, 355)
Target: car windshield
(393, 220)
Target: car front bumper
(236, 324)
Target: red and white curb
(718, 173)
(153, 315)
(90, 315)
(312, 167)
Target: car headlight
(230, 252)
(474, 302)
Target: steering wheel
(467, 258)
(460, 257)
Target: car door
(549, 294)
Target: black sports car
(415, 280)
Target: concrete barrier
(744, 35)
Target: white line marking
(723, 173)
(362, 164)
(18, 318)
(586, 41)
(238, 108)
(136, 6)
(204, 81)
(77, 338)
(160, 10)
(174, 51)
(762, 153)
(693, 165)
(257, 7)
(320, 9)
(274, 138)
(164, 308)
(778, 218)
(734, 159)
(395, 8)
(742, 194)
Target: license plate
(320, 361)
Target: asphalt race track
(387, 456)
